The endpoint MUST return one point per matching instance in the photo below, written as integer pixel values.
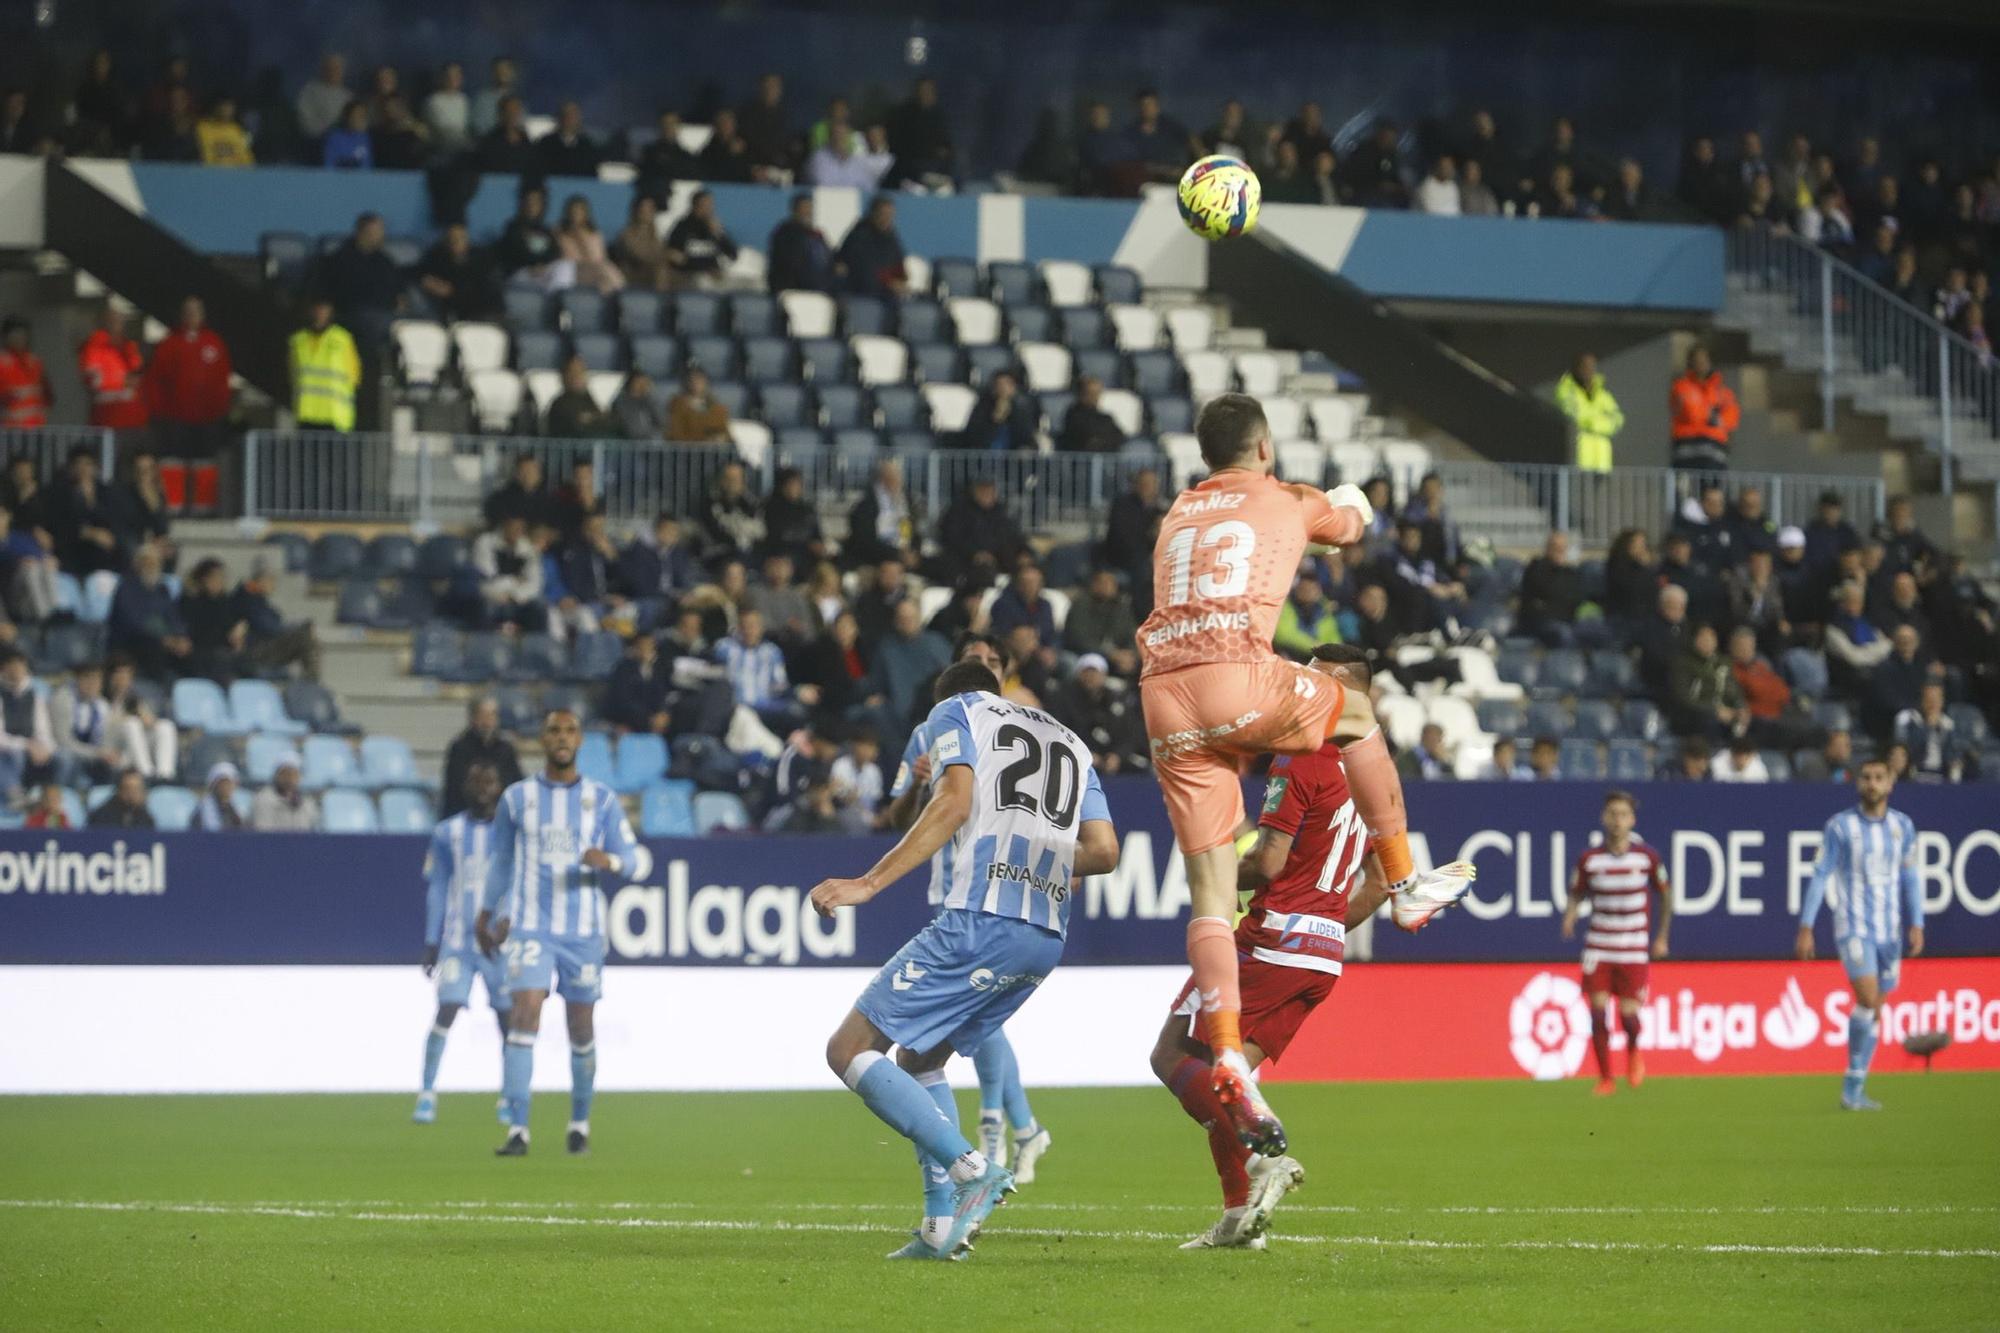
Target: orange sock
(1378, 796)
(1211, 947)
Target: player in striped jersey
(1869, 854)
(1002, 1098)
(1018, 816)
(559, 841)
(1617, 879)
(455, 871)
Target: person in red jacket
(25, 397)
(189, 386)
(113, 368)
(1705, 415)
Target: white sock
(518, 1132)
(970, 1166)
(934, 1231)
(1023, 1133)
(579, 1127)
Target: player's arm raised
(1666, 892)
(950, 806)
(1339, 517)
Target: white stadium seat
(808, 314)
(496, 393)
(1192, 327)
(1124, 407)
(1301, 460)
(1456, 718)
(1207, 372)
(604, 387)
(424, 348)
(1405, 461)
(1261, 373)
(1183, 453)
(1047, 365)
(1354, 462)
(480, 346)
(933, 600)
(977, 320)
(1286, 417)
(543, 386)
(880, 358)
(1333, 418)
(1058, 601)
(1137, 326)
(752, 440)
(1403, 718)
(951, 406)
(1068, 282)
(917, 273)
(747, 269)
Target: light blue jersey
(1872, 865)
(540, 833)
(918, 745)
(455, 873)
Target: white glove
(1348, 496)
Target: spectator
(802, 784)
(870, 261)
(19, 131)
(1679, 566)
(126, 806)
(217, 634)
(726, 157)
(217, 812)
(1897, 757)
(568, 150)
(903, 663)
(1551, 593)
(1798, 585)
(1104, 714)
(977, 532)
(665, 160)
(1229, 135)
(1561, 197)
(1838, 755)
(1440, 534)
(398, 139)
(82, 521)
(1584, 399)
(1704, 698)
(28, 569)
(149, 742)
(102, 111)
(506, 148)
(1766, 697)
(1003, 420)
(1130, 533)
(385, 86)
(1750, 527)
(1663, 637)
(1543, 759)
(875, 605)
(1937, 752)
(482, 742)
(1306, 620)
(527, 248)
(25, 396)
(1629, 199)
(84, 726)
(488, 104)
(1287, 181)
(1430, 761)
(1437, 193)
(1853, 644)
(1156, 145)
(1903, 607)
(1101, 621)
(145, 623)
(447, 112)
(326, 371)
(284, 806)
(365, 284)
(1828, 223)
(856, 776)
(882, 525)
(459, 278)
(574, 414)
(638, 250)
(694, 415)
(791, 521)
(589, 563)
(112, 368)
(1690, 762)
(635, 412)
(323, 100)
(730, 520)
(1021, 603)
(28, 750)
(1482, 146)
(189, 381)
(658, 570)
(524, 496)
(347, 145)
(1739, 763)
(1099, 150)
(272, 642)
(1423, 595)
(1476, 197)
(756, 671)
(1904, 547)
(920, 138)
(800, 258)
(1704, 413)
(135, 509)
(1505, 766)
(220, 137)
(841, 161)
(510, 578)
(1896, 684)
(766, 128)
(1878, 262)
(571, 611)
(698, 247)
(786, 610)
(46, 810)
(1087, 427)
(635, 698)
(1757, 602)
(1375, 170)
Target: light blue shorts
(456, 970)
(575, 966)
(959, 980)
(1862, 957)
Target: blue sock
(1000, 1081)
(582, 1079)
(1861, 1034)
(517, 1075)
(433, 1052)
(904, 1105)
(937, 1180)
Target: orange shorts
(1206, 722)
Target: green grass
(758, 1211)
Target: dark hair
(965, 678)
(1874, 761)
(1349, 655)
(1229, 428)
(1619, 794)
(967, 638)
(1694, 747)
(1540, 741)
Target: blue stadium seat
(915, 440)
(88, 600)
(900, 407)
(755, 315)
(527, 309)
(294, 547)
(329, 762)
(66, 647)
(1582, 760)
(537, 657)
(1592, 574)
(781, 405)
(858, 451)
(1564, 669)
(440, 556)
(1971, 724)
(1118, 285)
(666, 809)
(642, 761)
(840, 406)
(537, 351)
(1777, 765)
(406, 605)
(390, 555)
(520, 708)
(1153, 373)
(1805, 671)
(485, 656)
(1011, 283)
(1596, 720)
(655, 354)
(954, 277)
(937, 363)
(768, 360)
(603, 353)
(405, 811)
(1084, 327)
(697, 313)
(1833, 716)
(256, 705)
(563, 697)
(921, 321)
(1055, 406)
(1101, 364)
(1067, 565)
(312, 703)
(358, 603)
(583, 310)
(437, 650)
(797, 441)
(201, 704)
(732, 395)
(203, 753)
(1505, 575)
(826, 360)
(1548, 718)
(172, 808)
(715, 810)
(1643, 720)
(1170, 415)
(1629, 761)
(865, 314)
(983, 363)
(336, 555)
(594, 759)
(1612, 673)
(260, 759)
(595, 656)
(713, 352)
(344, 811)
(1031, 324)
(386, 761)
(1809, 766)
(639, 312)
(1501, 717)
(1141, 450)
(708, 762)
(287, 256)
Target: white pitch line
(321, 1212)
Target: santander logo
(1793, 1025)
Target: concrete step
(370, 667)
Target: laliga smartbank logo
(51, 870)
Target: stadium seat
(344, 811)
(602, 353)
(256, 706)
(1777, 766)
(1055, 408)
(808, 314)
(1117, 284)
(388, 555)
(1612, 673)
(1970, 724)
(1406, 462)
(1596, 720)
(1333, 418)
(719, 810)
(595, 656)
(639, 312)
(914, 440)
(594, 759)
(880, 359)
(1456, 717)
(697, 314)
(335, 555)
(1102, 364)
(899, 407)
(954, 277)
(864, 316)
(386, 761)
(294, 547)
(1046, 365)
(916, 274)
(1170, 414)
(1354, 462)
(423, 349)
(1628, 761)
(1582, 760)
(1286, 417)
(172, 808)
(1402, 718)
(1564, 669)
(654, 354)
(437, 650)
(407, 604)
(798, 443)
(1135, 327)
(666, 809)
(1123, 406)
(1207, 374)
(1012, 283)
(1154, 373)
(1805, 670)
(767, 359)
(260, 758)
(1031, 324)
(919, 321)
(312, 703)
(641, 761)
(1260, 373)
(938, 363)
(1643, 720)
(1064, 282)
(1083, 326)
(713, 352)
(537, 351)
(983, 363)
(1301, 461)
(1809, 766)
(1184, 455)
(840, 406)
(537, 657)
(484, 657)
(201, 705)
(1191, 328)
(328, 762)
(286, 256)
(752, 440)
(496, 397)
(526, 308)
(951, 406)
(976, 319)
(89, 600)
(755, 315)
(1548, 718)
(405, 811)
(583, 310)
(827, 360)
(1833, 716)
(479, 346)
(1501, 717)
(440, 556)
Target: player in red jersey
(1312, 874)
(1618, 878)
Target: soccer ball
(1219, 197)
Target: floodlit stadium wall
(188, 962)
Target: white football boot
(1232, 1232)
(1430, 893)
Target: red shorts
(1627, 981)
(1276, 1001)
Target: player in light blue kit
(1869, 854)
(1001, 1096)
(1019, 816)
(559, 841)
(455, 871)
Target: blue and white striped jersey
(540, 833)
(1873, 865)
(756, 674)
(455, 872)
(920, 744)
(1033, 787)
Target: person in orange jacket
(25, 396)
(113, 368)
(1704, 415)
(189, 386)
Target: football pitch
(1715, 1203)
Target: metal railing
(1863, 339)
(50, 446)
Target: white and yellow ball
(1219, 197)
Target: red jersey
(1227, 557)
(112, 371)
(189, 377)
(1298, 919)
(24, 390)
(1619, 887)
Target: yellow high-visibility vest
(1597, 419)
(326, 370)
